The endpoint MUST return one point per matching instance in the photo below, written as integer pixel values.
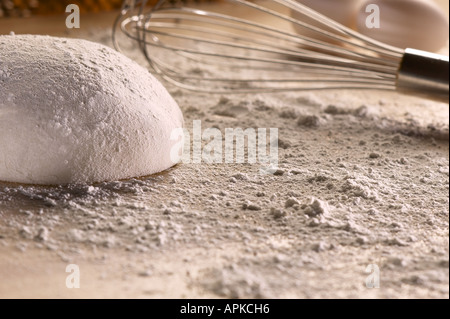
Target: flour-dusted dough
(73, 111)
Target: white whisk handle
(424, 73)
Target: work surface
(363, 180)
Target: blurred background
(48, 16)
(45, 13)
(27, 8)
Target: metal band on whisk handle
(424, 74)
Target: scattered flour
(227, 231)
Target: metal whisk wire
(279, 45)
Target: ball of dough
(73, 111)
(418, 24)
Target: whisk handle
(425, 74)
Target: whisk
(239, 46)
